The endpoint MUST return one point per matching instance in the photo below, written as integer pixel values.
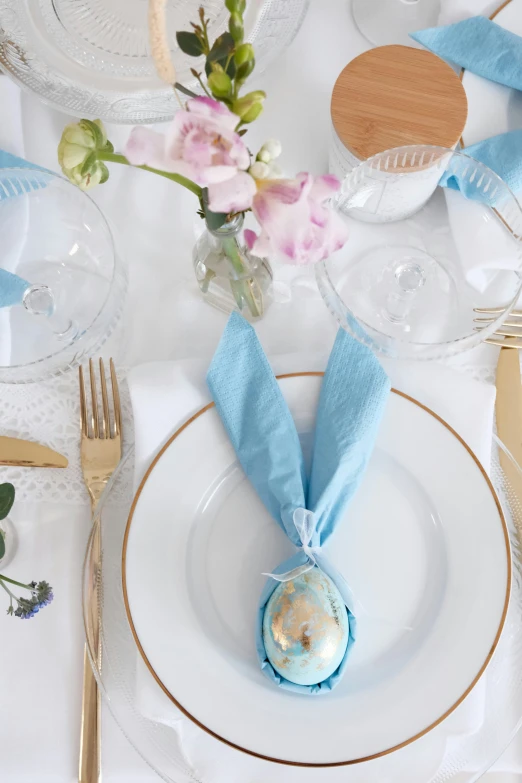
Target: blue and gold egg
(306, 628)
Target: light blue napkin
(485, 48)
(480, 46)
(502, 154)
(12, 287)
(262, 431)
(9, 161)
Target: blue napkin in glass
(260, 426)
(12, 287)
(502, 154)
(478, 45)
(485, 48)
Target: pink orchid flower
(202, 146)
(297, 225)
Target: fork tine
(106, 420)
(94, 398)
(504, 343)
(511, 324)
(504, 333)
(497, 311)
(83, 404)
(116, 399)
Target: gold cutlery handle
(90, 737)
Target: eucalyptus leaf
(189, 43)
(221, 49)
(2, 545)
(7, 497)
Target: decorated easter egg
(305, 628)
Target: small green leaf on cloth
(7, 497)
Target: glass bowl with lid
(58, 243)
(428, 270)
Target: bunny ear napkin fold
(303, 638)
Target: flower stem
(243, 286)
(13, 582)
(9, 593)
(113, 157)
(198, 77)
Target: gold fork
(509, 335)
(100, 449)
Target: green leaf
(223, 46)
(104, 171)
(7, 497)
(189, 43)
(94, 130)
(2, 545)
(88, 164)
(214, 219)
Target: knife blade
(508, 410)
(26, 454)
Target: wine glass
(60, 247)
(390, 21)
(423, 260)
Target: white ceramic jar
(389, 97)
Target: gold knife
(26, 454)
(508, 409)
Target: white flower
(259, 170)
(270, 150)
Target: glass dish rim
(117, 264)
(418, 350)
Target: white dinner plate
(424, 546)
(493, 108)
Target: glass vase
(229, 276)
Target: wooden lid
(396, 95)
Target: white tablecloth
(40, 661)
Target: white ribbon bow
(304, 522)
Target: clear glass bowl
(390, 21)
(56, 238)
(180, 752)
(422, 260)
(92, 59)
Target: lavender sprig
(41, 594)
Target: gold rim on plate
(307, 763)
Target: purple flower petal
(250, 237)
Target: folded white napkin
(487, 252)
(164, 395)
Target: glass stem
(39, 301)
(231, 249)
